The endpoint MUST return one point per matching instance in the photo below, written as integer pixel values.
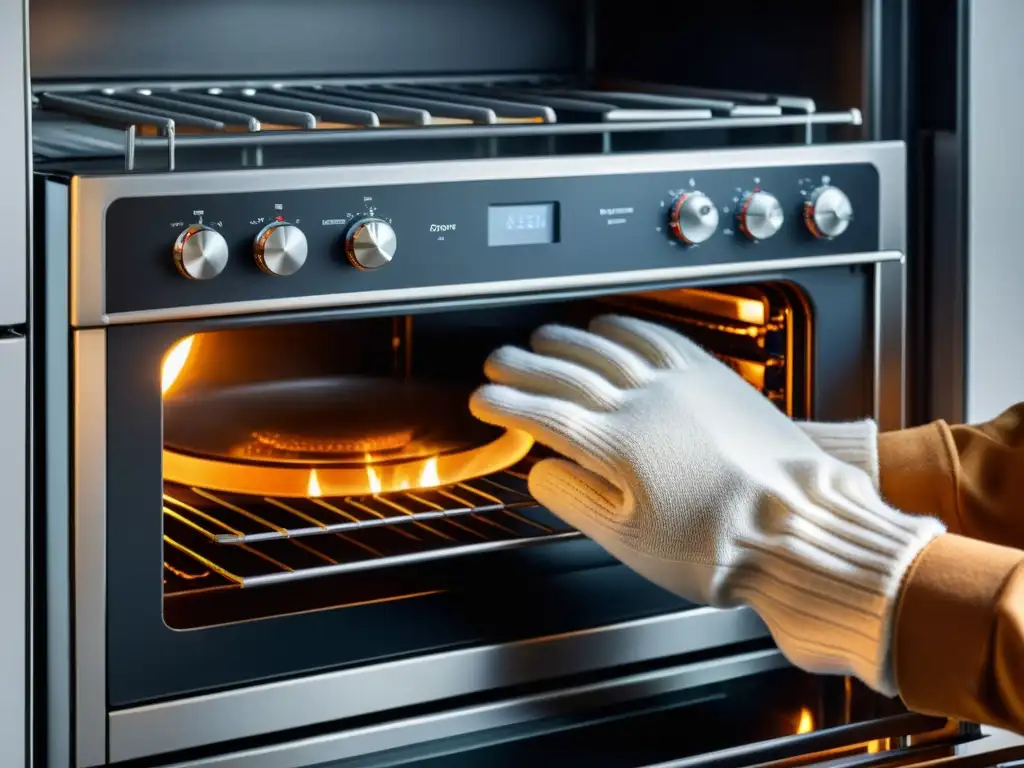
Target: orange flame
(174, 363)
(878, 745)
(806, 724)
(428, 477)
(313, 489)
(419, 475)
(372, 477)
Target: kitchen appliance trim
(91, 196)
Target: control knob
(371, 244)
(827, 212)
(693, 218)
(280, 249)
(200, 252)
(760, 215)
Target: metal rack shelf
(135, 118)
(216, 540)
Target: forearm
(958, 646)
(971, 477)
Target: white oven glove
(685, 473)
(852, 442)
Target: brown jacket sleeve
(959, 635)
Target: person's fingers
(543, 375)
(565, 427)
(583, 499)
(659, 346)
(614, 362)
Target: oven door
(211, 636)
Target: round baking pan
(342, 436)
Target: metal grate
(219, 540)
(127, 119)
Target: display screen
(522, 224)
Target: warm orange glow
(878, 745)
(401, 478)
(806, 724)
(313, 489)
(372, 478)
(360, 479)
(174, 363)
(428, 477)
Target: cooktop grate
(217, 539)
(76, 121)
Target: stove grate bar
(251, 542)
(335, 112)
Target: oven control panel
(198, 250)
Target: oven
(274, 534)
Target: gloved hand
(852, 442)
(685, 473)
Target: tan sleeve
(959, 637)
(959, 633)
(972, 477)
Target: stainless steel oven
(285, 541)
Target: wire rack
(76, 121)
(221, 540)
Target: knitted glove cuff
(827, 579)
(853, 442)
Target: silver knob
(760, 216)
(200, 253)
(371, 244)
(280, 249)
(828, 212)
(693, 218)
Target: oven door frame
(98, 735)
(203, 719)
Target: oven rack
(220, 539)
(125, 119)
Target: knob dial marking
(693, 218)
(370, 244)
(827, 212)
(760, 216)
(280, 249)
(200, 253)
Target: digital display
(535, 224)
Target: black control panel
(167, 252)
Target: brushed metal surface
(13, 564)
(91, 196)
(521, 709)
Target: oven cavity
(325, 451)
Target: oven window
(324, 465)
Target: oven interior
(333, 464)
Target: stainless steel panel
(890, 346)
(89, 526)
(14, 162)
(456, 722)
(91, 196)
(13, 549)
(201, 720)
(995, 164)
(736, 269)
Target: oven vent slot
(81, 121)
(217, 539)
